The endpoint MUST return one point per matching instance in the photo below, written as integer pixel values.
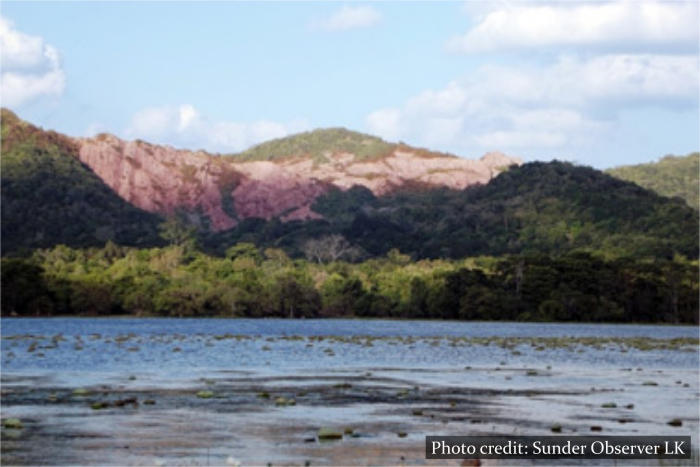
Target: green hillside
(50, 198)
(316, 144)
(539, 207)
(670, 176)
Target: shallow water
(459, 378)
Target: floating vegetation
(596, 428)
(555, 428)
(99, 405)
(80, 392)
(609, 405)
(12, 423)
(205, 394)
(326, 433)
(402, 434)
(650, 383)
(129, 400)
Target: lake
(257, 391)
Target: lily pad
(14, 423)
(326, 433)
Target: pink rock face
(158, 178)
(162, 179)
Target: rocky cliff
(225, 189)
(281, 178)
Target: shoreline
(351, 318)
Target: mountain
(278, 179)
(671, 176)
(539, 207)
(329, 183)
(49, 197)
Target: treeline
(182, 281)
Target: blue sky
(600, 83)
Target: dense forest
(671, 176)
(50, 198)
(181, 281)
(550, 208)
(542, 241)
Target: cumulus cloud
(624, 23)
(519, 107)
(185, 126)
(31, 68)
(350, 17)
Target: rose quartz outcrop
(163, 179)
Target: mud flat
(169, 398)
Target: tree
(329, 249)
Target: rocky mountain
(278, 179)
(370, 195)
(670, 176)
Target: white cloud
(623, 23)
(530, 108)
(30, 68)
(184, 126)
(350, 17)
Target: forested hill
(50, 198)
(539, 207)
(670, 176)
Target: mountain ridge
(277, 179)
(88, 191)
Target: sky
(602, 83)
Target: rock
(556, 428)
(676, 422)
(402, 434)
(596, 428)
(161, 179)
